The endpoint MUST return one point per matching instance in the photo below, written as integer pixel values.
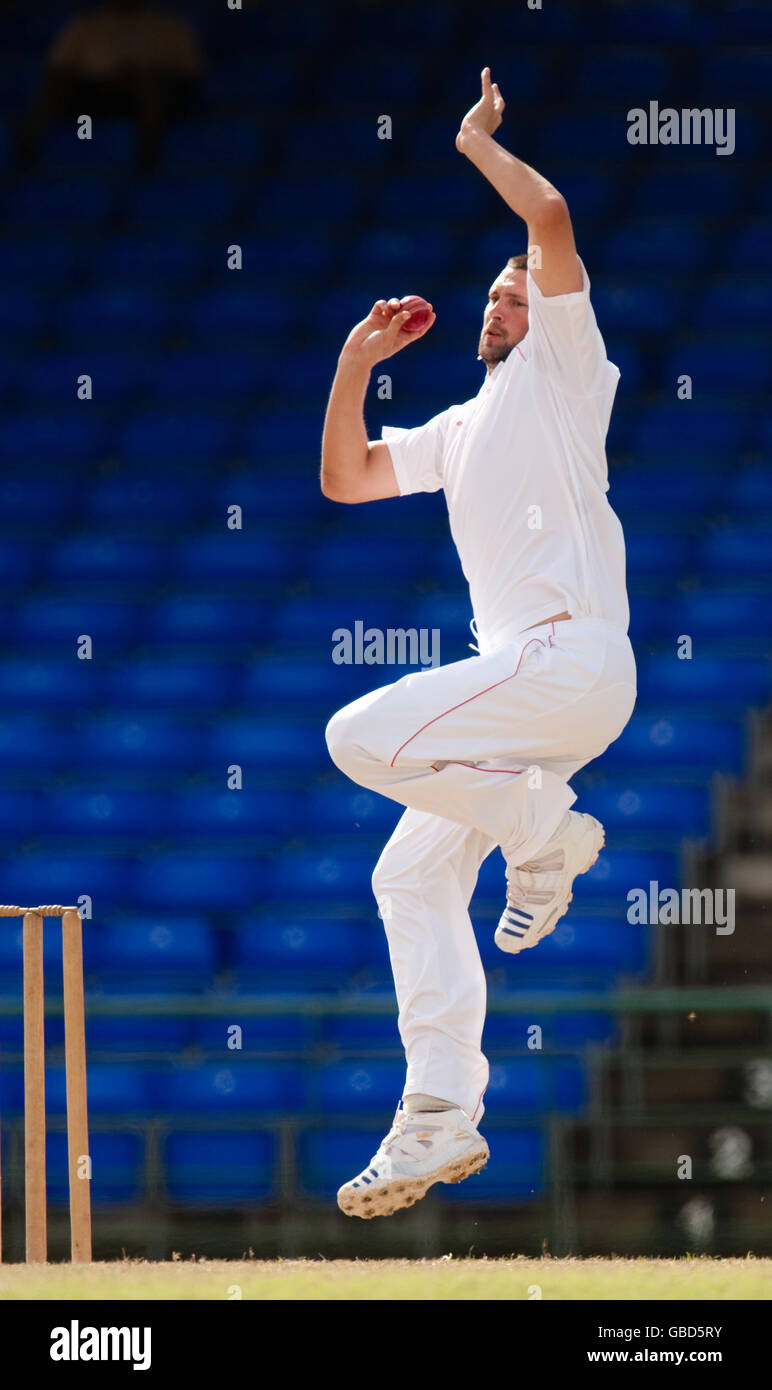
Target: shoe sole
(598, 841)
(393, 1194)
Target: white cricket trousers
(480, 752)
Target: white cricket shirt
(523, 468)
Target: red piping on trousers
(461, 703)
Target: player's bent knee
(343, 745)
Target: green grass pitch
(690, 1277)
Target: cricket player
(480, 752)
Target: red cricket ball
(420, 312)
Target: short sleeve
(565, 341)
(417, 454)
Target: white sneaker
(419, 1150)
(538, 893)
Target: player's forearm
(523, 189)
(344, 439)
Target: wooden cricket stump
(79, 1163)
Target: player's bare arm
(526, 192)
(353, 468)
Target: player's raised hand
(486, 114)
(383, 332)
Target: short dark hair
(518, 262)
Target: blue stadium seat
(314, 620)
(730, 364)
(659, 744)
(268, 438)
(746, 248)
(145, 496)
(282, 1032)
(659, 21)
(363, 1033)
(603, 946)
(80, 204)
(624, 302)
(643, 808)
(199, 882)
(691, 425)
(630, 361)
(207, 620)
(352, 140)
(23, 315)
(53, 380)
(309, 202)
(656, 486)
(138, 497)
(267, 743)
(270, 945)
(201, 438)
(116, 315)
(235, 1086)
(98, 557)
(402, 253)
(231, 554)
(20, 813)
(118, 1168)
(301, 254)
(138, 739)
(324, 874)
(584, 135)
(105, 811)
(738, 76)
(63, 876)
(120, 1088)
(63, 621)
(716, 615)
(221, 378)
(536, 1082)
(671, 191)
(236, 80)
(738, 681)
(41, 265)
(235, 313)
(74, 436)
(738, 551)
(281, 680)
(655, 553)
(220, 812)
(192, 146)
(140, 1032)
(169, 201)
(171, 942)
(173, 683)
(351, 556)
(346, 808)
(362, 1085)
(736, 302)
(219, 1169)
(19, 560)
(110, 148)
(751, 490)
(621, 72)
(641, 245)
(569, 1030)
(152, 260)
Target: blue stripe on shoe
(528, 916)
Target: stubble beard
(492, 352)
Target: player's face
(505, 321)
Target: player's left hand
(486, 114)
